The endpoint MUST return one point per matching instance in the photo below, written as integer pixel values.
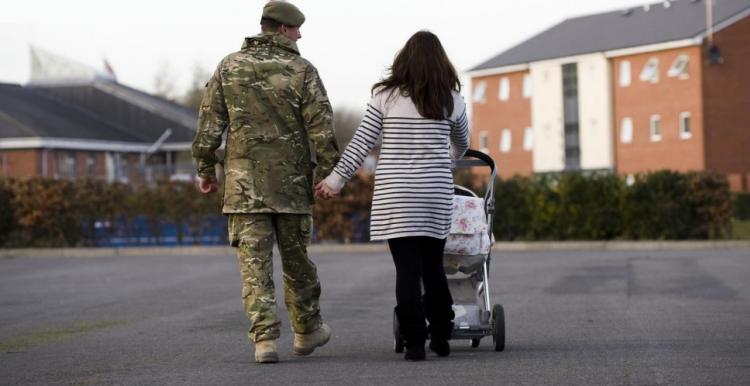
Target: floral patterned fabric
(468, 234)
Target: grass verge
(55, 335)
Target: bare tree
(164, 81)
(194, 94)
(345, 123)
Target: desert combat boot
(265, 351)
(305, 344)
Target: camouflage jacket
(280, 124)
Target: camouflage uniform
(280, 125)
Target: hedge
(569, 206)
(48, 213)
(575, 206)
(742, 206)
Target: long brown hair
(423, 72)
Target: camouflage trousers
(253, 235)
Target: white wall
(595, 112)
(595, 103)
(547, 116)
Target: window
(479, 90)
(571, 119)
(66, 164)
(504, 92)
(685, 129)
(655, 128)
(679, 67)
(505, 141)
(625, 73)
(650, 71)
(91, 165)
(527, 86)
(626, 130)
(483, 141)
(528, 139)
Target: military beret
(284, 13)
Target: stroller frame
(481, 318)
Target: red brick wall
(726, 93)
(495, 115)
(28, 163)
(669, 97)
(20, 163)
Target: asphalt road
(576, 318)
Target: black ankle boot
(440, 347)
(415, 352)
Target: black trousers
(419, 261)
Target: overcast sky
(351, 42)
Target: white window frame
(484, 141)
(626, 130)
(650, 72)
(655, 135)
(506, 138)
(91, 164)
(527, 92)
(503, 90)
(528, 139)
(479, 92)
(625, 73)
(686, 134)
(679, 67)
(65, 164)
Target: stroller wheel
(398, 343)
(475, 342)
(498, 327)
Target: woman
(422, 118)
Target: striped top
(413, 181)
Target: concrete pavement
(581, 317)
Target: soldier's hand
(208, 185)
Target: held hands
(322, 190)
(207, 185)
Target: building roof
(98, 111)
(661, 22)
(142, 115)
(27, 113)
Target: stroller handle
(486, 160)
(481, 159)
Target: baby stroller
(467, 263)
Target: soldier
(280, 125)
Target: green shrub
(334, 218)
(46, 213)
(590, 206)
(654, 206)
(569, 206)
(742, 206)
(512, 218)
(709, 202)
(97, 201)
(7, 219)
(579, 206)
(670, 205)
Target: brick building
(629, 91)
(71, 122)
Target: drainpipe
(714, 55)
(710, 21)
(45, 166)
